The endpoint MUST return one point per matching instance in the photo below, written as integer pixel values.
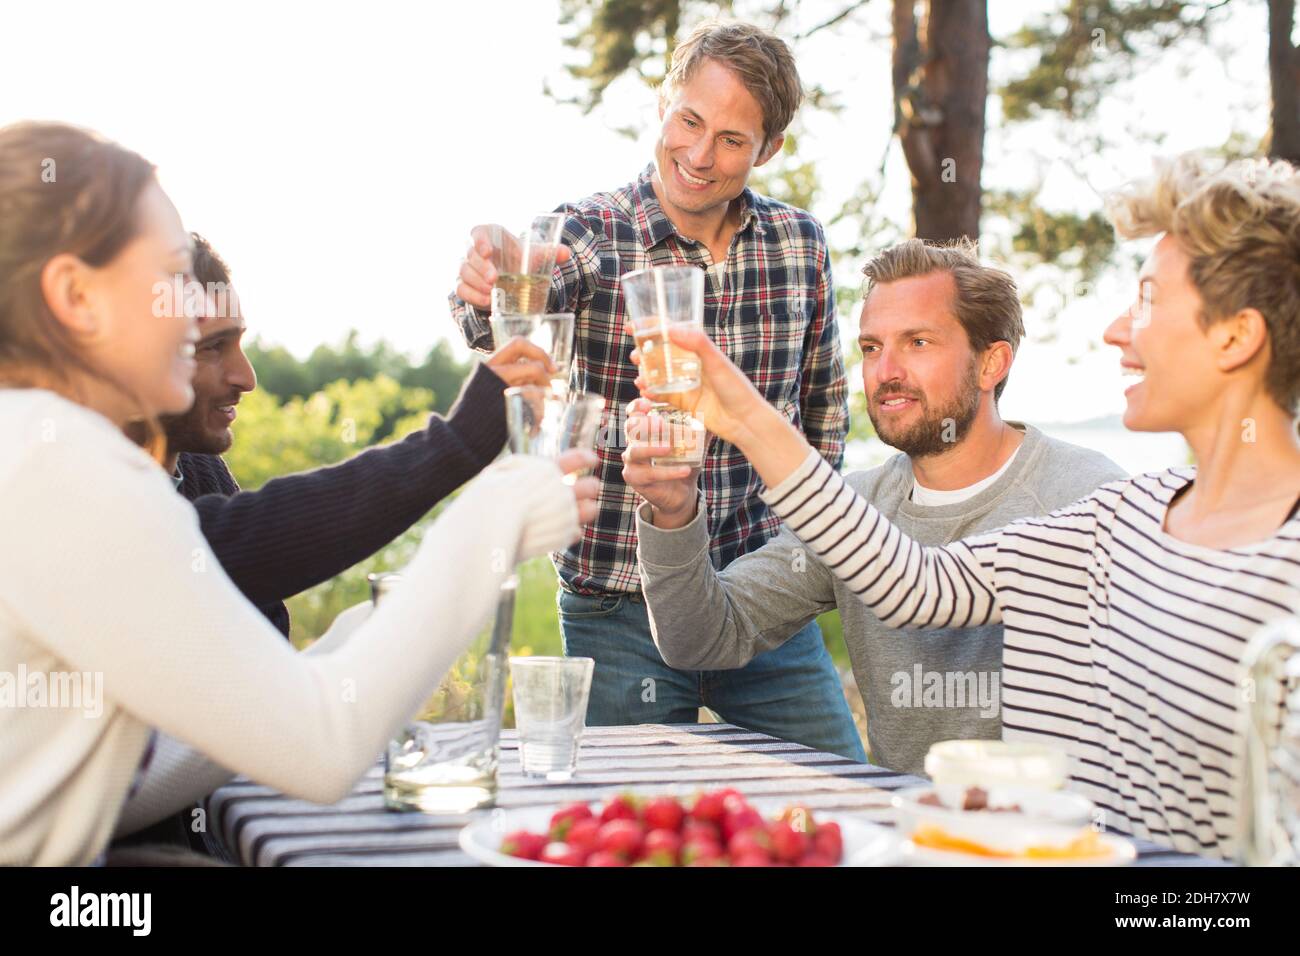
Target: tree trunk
(941, 81)
(1284, 77)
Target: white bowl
(865, 843)
(996, 763)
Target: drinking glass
(540, 422)
(658, 299)
(524, 263)
(550, 695)
(682, 431)
(445, 759)
(552, 332)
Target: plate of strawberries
(713, 828)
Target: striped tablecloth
(257, 826)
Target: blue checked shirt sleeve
(823, 397)
(567, 285)
(474, 326)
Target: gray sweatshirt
(919, 686)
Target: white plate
(865, 843)
(1046, 818)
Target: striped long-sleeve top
(1122, 644)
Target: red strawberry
(698, 830)
(525, 845)
(702, 853)
(828, 840)
(733, 802)
(662, 847)
(752, 840)
(584, 834)
(605, 858)
(623, 837)
(751, 859)
(621, 807)
(800, 819)
(663, 813)
(708, 808)
(565, 817)
(563, 855)
(738, 818)
(788, 845)
(815, 859)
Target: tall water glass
(445, 759)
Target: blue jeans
(792, 692)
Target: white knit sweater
(106, 577)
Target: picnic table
(255, 825)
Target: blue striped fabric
(257, 826)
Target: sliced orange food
(1086, 845)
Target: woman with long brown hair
(106, 583)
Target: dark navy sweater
(300, 530)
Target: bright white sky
(337, 155)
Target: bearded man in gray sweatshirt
(939, 331)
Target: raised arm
(701, 618)
(905, 584)
(471, 302)
(177, 775)
(300, 530)
(182, 651)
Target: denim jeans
(792, 692)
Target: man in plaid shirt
(769, 304)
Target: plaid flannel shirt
(771, 309)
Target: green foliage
(617, 36)
(1087, 47)
(1062, 64)
(284, 376)
(1082, 244)
(787, 179)
(333, 424)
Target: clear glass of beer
(658, 299)
(445, 759)
(552, 332)
(541, 422)
(679, 430)
(524, 262)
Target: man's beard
(935, 431)
(186, 433)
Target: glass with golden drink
(658, 299)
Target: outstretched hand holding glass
(731, 408)
(498, 260)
